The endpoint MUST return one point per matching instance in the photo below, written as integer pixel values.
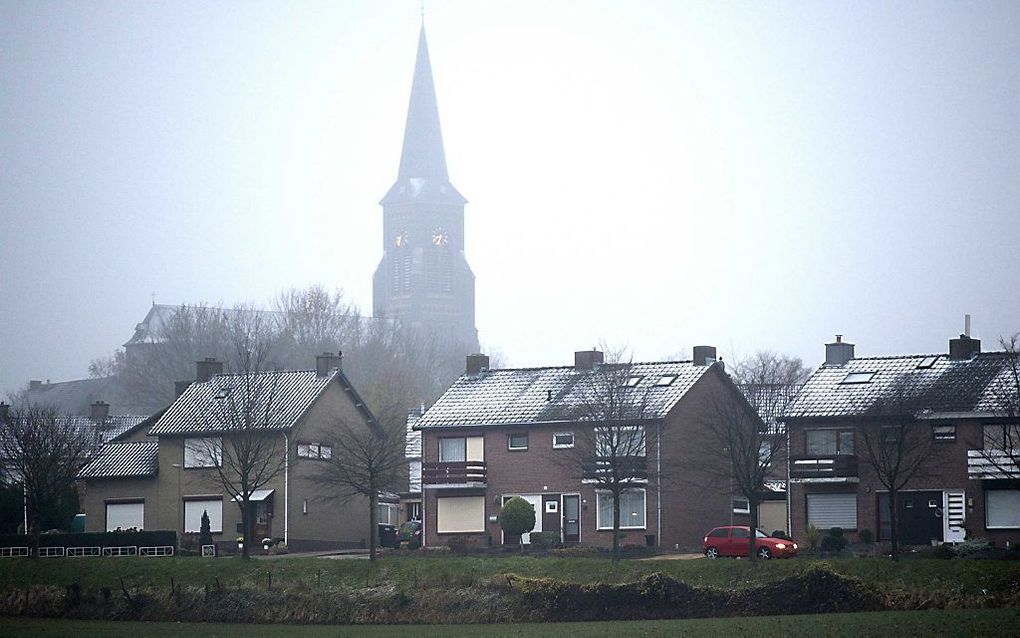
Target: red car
(732, 541)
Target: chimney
(180, 387)
(704, 355)
(326, 362)
(964, 348)
(838, 352)
(99, 410)
(477, 363)
(34, 384)
(207, 369)
(588, 359)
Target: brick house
(953, 396)
(170, 479)
(500, 433)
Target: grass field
(983, 622)
(970, 576)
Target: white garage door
(825, 511)
(124, 516)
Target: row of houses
(499, 433)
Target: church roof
(423, 175)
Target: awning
(257, 495)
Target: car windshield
(760, 534)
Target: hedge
(93, 539)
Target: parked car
(410, 534)
(732, 540)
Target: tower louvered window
(401, 279)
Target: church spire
(422, 155)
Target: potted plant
(240, 542)
(267, 543)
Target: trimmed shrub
(517, 517)
(544, 540)
(865, 536)
(834, 541)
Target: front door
(571, 518)
(263, 519)
(920, 517)
(551, 513)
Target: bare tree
(896, 445)
(1000, 445)
(611, 445)
(43, 452)
(367, 460)
(249, 453)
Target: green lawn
(964, 576)
(983, 622)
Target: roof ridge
(571, 367)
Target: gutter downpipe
(286, 489)
(658, 484)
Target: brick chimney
(34, 384)
(588, 359)
(207, 369)
(838, 352)
(704, 355)
(477, 363)
(964, 347)
(99, 410)
(326, 362)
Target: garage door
(825, 511)
(124, 516)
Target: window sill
(622, 528)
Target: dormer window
(858, 377)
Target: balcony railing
(823, 466)
(467, 473)
(992, 464)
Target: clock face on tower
(401, 240)
(440, 237)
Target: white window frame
(392, 513)
(988, 509)
(613, 434)
(517, 448)
(741, 509)
(562, 446)
(203, 452)
(602, 494)
(204, 504)
(462, 439)
(845, 495)
(314, 451)
(132, 504)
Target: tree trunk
(752, 524)
(246, 531)
(35, 531)
(894, 524)
(373, 523)
(616, 524)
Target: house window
(125, 516)
(741, 505)
(314, 451)
(460, 514)
(943, 432)
(453, 450)
(927, 362)
(1002, 509)
(826, 511)
(858, 377)
(193, 515)
(620, 441)
(517, 442)
(388, 513)
(1001, 437)
(563, 440)
(632, 509)
(203, 452)
(632, 382)
(829, 442)
(666, 379)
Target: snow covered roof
(124, 460)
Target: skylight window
(927, 362)
(666, 379)
(858, 377)
(632, 382)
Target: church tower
(424, 279)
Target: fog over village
(316, 315)
(649, 174)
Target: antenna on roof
(153, 297)
(966, 325)
(423, 13)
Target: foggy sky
(743, 174)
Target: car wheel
(764, 553)
(711, 552)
